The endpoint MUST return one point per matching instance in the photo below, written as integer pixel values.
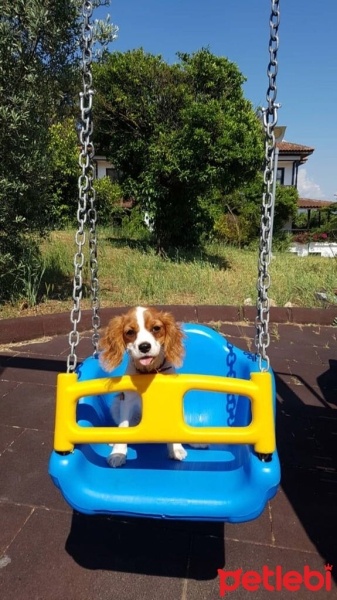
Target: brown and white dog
(154, 343)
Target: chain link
(262, 338)
(92, 215)
(86, 197)
(231, 398)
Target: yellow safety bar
(162, 411)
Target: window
(280, 175)
(114, 174)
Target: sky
(239, 30)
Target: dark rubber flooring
(47, 552)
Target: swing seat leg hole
(267, 458)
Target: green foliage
(324, 220)
(63, 148)
(177, 133)
(301, 220)
(285, 205)
(233, 229)
(64, 172)
(330, 225)
(282, 242)
(134, 227)
(30, 273)
(36, 43)
(39, 82)
(240, 222)
(108, 197)
(21, 270)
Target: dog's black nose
(144, 347)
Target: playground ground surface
(48, 552)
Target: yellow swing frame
(162, 411)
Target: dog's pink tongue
(146, 361)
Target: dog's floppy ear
(112, 344)
(173, 345)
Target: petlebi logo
(275, 580)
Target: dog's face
(150, 337)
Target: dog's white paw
(178, 453)
(116, 460)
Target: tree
(177, 133)
(286, 206)
(36, 48)
(240, 221)
(109, 201)
(64, 172)
(39, 58)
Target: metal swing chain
(231, 398)
(262, 338)
(86, 197)
(87, 144)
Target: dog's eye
(156, 328)
(130, 332)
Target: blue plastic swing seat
(219, 483)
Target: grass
(130, 273)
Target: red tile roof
(290, 148)
(307, 203)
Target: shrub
(175, 132)
(109, 197)
(234, 229)
(134, 226)
(305, 237)
(21, 271)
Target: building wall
(289, 174)
(101, 166)
(289, 171)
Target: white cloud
(307, 188)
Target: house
(104, 168)
(308, 205)
(290, 156)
